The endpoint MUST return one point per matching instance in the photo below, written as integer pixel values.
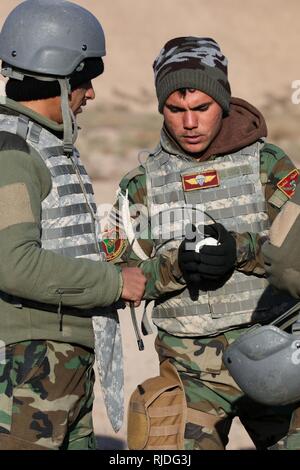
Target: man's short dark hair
(183, 91)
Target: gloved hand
(217, 261)
(188, 259)
(212, 262)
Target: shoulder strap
(10, 141)
(138, 171)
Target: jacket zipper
(60, 292)
(70, 290)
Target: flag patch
(288, 184)
(112, 245)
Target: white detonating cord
(210, 241)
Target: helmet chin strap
(69, 120)
(75, 126)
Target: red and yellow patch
(112, 245)
(288, 184)
(203, 180)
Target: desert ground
(260, 39)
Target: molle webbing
(239, 204)
(69, 212)
(157, 412)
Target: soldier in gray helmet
(58, 296)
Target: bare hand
(134, 283)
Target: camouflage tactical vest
(69, 228)
(238, 203)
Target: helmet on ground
(265, 363)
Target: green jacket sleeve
(27, 270)
(275, 165)
(162, 272)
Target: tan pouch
(157, 412)
(8, 442)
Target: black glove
(188, 261)
(217, 261)
(212, 267)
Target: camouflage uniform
(282, 253)
(57, 293)
(46, 392)
(53, 306)
(209, 388)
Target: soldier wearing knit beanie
(212, 161)
(191, 62)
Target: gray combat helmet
(50, 37)
(265, 363)
(49, 40)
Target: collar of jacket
(169, 145)
(36, 117)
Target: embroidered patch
(288, 184)
(203, 180)
(113, 246)
(15, 206)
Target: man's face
(80, 96)
(51, 107)
(77, 100)
(193, 120)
